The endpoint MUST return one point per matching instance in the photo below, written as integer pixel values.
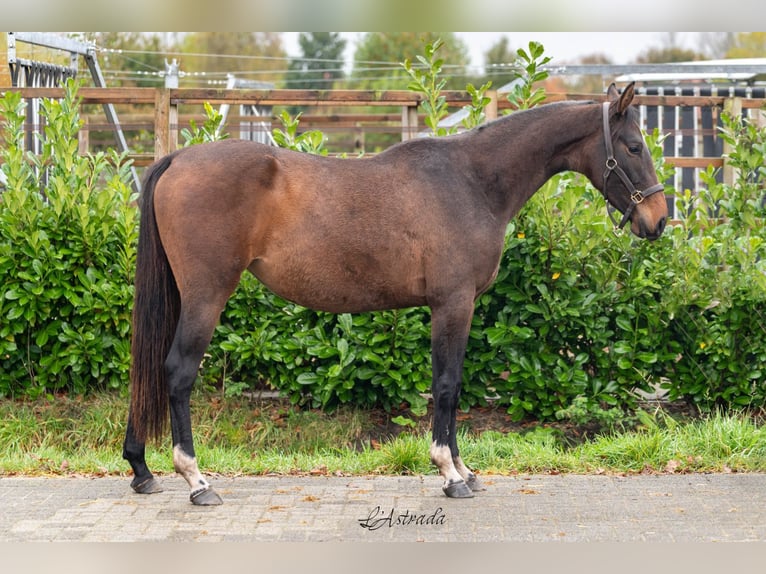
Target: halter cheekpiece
(636, 196)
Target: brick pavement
(537, 508)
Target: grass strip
(71, 436)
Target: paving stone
(537, 508)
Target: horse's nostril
(661, 225)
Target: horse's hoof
(206, 497)
(458, 490)
(148, 486)
(475, 484)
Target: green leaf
(308, 379)
(12, 295)
(624, 323)
(404, 421)
(15, 313)
(345, 320)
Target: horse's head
(629, 178)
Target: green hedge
(578, 315)
(716, 282)
(67, 255)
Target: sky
(563, 47)
(620, 47)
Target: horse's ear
(621, 102)
(627, 97)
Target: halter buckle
(637, 197)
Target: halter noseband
(636, 196)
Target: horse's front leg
(450, 324)
(182, 364)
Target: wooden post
(490, 112)
(758, 117)
(161, 122)
(409, 122)
(733, 107)
(165, 124)
(172, 126)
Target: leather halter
(636, 196)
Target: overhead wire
(361, 71)
(244, 56)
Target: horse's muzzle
(651, 234)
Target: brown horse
(419, 224)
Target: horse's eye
(634, 149)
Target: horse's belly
(340, 288)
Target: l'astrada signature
(380, 518)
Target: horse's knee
(445, 398)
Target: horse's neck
(521, 153)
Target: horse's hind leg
(135, 453)
(193, 333)
(195, 330)
(450, 324)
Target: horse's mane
(522, 115)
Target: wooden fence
(160, 114)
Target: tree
(379, 55)
(747, 45)
(255, 55)
(497, 60)
(715, 45)
(322, 61)
(589, 84)
(668, 54)
(670, 51)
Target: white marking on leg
(441, 456)
(462, 469)
(468, 475)
(186, 466)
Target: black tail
(156, 306)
